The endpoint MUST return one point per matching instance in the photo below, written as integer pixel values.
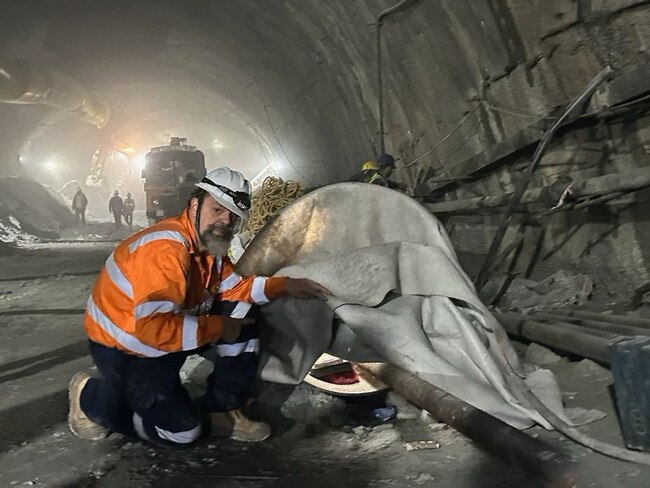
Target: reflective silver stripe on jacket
(145, 309)
(229, 282)
(117, 277)
(190, 328)
(230, 350)
(139, 427)
(156, 236)
(184, 437)
(115, 273)
(132, 343)
(121, 337)
(257, 291)
(240, 310)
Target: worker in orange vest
(167, 292)
(127, 210)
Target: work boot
(235, 425)
(80, 425)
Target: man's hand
(231, 328)
(305, 288)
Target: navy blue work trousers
(144, 397)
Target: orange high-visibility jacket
(151, 295)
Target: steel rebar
(525, 181)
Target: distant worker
(368, 169)
(129, 205)
(79, 204)
(378, 173)
(165, 293)
(115, 206)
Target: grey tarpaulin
(400, 293)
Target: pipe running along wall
(25, 82)
(380, 80)
(591, 187)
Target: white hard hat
(229, 188)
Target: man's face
(216, 226)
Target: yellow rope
(273, 196)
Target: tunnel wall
(302, 74)
(609, 243)
(511, 64)
(295, 81)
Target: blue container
(629, 358)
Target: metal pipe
(582, 343)
(509, 444)
(530, 169)
(568, 326)
(391, 10)
(605, 317)
(578, 343)
(380, 81)
(25, 82)
(614, 182)
(594, 324)
(380, 91)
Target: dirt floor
(319, 440)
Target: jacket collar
(186, 222)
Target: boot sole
(233, 436)
(252, 441)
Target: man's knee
(182, 437)
(178, 432)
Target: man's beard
(217, 245)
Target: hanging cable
(380, 81)
(460, 123)
(525, 180)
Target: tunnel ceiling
(291, 85)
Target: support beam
(600, 185)
(25, 82)
(606, 317)
(510, 445)
(620, 89)
(565, 326)
(583, 343)
(594, 324)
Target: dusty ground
(319, 440)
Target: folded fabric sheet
(399, 295)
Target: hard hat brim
(223, 199)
